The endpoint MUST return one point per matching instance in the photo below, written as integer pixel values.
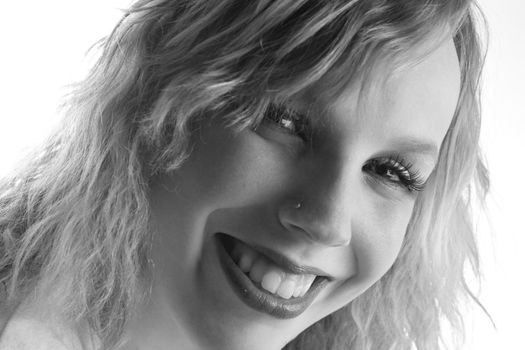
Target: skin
(351, 223)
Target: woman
(254, 175)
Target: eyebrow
(415, 145)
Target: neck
(157, 327)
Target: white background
(43, 48)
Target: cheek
(379, 236)
(228, 170)
(224, 170)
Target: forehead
(422, 96)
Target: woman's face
(276, 269)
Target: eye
(395, 172)
(287, 121)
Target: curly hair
(74, 216)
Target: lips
(268, 284)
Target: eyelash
(278, 114)
(396, 166)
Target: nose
(322, 212)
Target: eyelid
(300, 121)
(385, 190)
(412, 183)
(422, 148)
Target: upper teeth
(270, 276)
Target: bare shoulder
(30, 334)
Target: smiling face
(276, 269)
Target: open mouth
(267, 283)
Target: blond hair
(74, 217)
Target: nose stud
(297, 206)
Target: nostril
(321, 226)
(299, 230)
(342, 243)
(322, 236)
